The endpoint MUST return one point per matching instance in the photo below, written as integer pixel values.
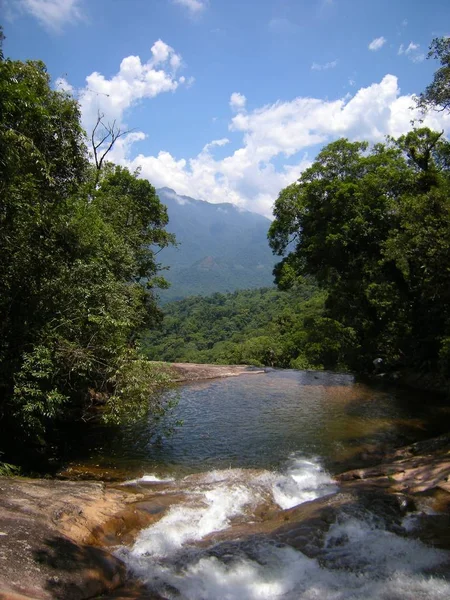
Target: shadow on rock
(79, 571)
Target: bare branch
(110, 134)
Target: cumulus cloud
(237, 101)
(135, 81)
(278, 142)
(377, 43)
(324, 67)
(271, 145)
(52, 14)
(194, 6)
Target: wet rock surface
(57, 537)
(183, 372)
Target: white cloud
(377, 43)
(251, 175)
(134, 81)
(411, 48)
(412, 51)
(194, 6)
(324, 67)
(237, 101)
(272, 144)
(53, 14)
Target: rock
(43, 550)
(123, 527)
(181, 372)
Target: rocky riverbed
(57, 537)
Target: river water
(257, 421)
(274, 441)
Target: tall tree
(437, 95)
(369, 224)
(78, 267)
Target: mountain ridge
(235, 238)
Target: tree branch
(110, 134)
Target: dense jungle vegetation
(373, 227)
(260, 327)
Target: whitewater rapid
(360, 558)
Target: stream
(253, 446)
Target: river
(256, 444)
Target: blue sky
(229, 100)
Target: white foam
(212, 512)
(357, 544)
(275, 573)
(360, 559)
(148, 479)
(304, 480)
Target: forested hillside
(259, 327)
(220, 248)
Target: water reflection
(258, 420)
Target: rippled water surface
(258, 420)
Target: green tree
(78, 269)
(437, 94)
(262, 326)
(369, 224)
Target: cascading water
(180, 557)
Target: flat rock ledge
(44, 529)
(185, 372)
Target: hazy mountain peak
(221, 247)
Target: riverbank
(44, 528)
(56, 536)
(185, 372)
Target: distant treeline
(260, 327)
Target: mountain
(221, 248)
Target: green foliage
(78, 266)
(135, 384)
(373, 227)
(437, 94)
(259, 327)
(8, 470)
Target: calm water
(259, 420)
